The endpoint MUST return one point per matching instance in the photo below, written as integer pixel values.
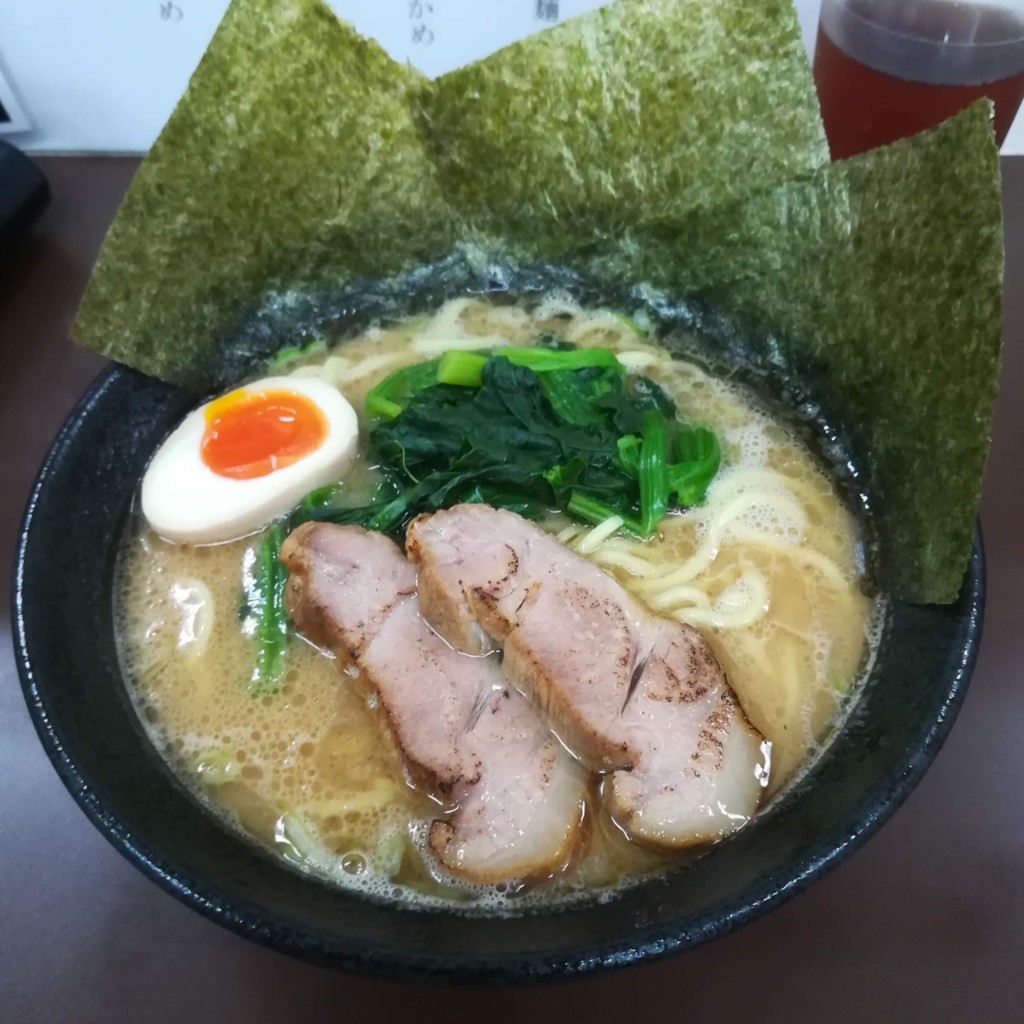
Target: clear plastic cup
(887, 69)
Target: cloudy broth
(768, 570)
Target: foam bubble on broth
(316, 758)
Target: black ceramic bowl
(78, 700)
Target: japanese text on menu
(421, 17)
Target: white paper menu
(103, 75)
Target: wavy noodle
(308, 370)
(766, 479)
(736, 607)
(683, 594)
(816, 560)
(670, 576)
(302, 844)
(589, 543)
(556, 305)
(370, 365)
(335, 368)
(446, 321)
(621, 560)
(332, 370)
(514, 319)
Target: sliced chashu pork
(634, 694)
(474, 739)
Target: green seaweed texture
(675, 143)
(292, 160)
(883, 275)
(301, 155)
(637, 111)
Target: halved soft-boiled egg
(241, 460)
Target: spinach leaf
(530, 430)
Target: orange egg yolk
(251, 433)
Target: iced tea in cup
(887, 69)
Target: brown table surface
(926, 923)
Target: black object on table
(24, 193)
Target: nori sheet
(635, 111)
(673, 142)
(879, 279)
(292, 160)
(302, 155)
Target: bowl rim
(657, 942)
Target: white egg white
(185, 501)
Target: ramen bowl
(67, 656)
